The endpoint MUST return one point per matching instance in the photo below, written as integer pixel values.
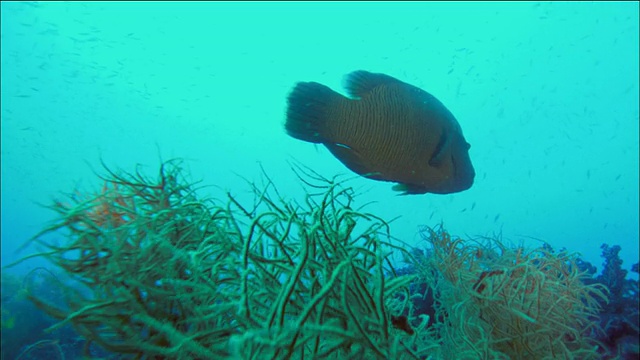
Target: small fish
(386, 130)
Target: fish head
(461, 167)
(451, 170)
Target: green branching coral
(500, 302)
(171, 275)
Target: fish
(385, 130)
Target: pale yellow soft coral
(497, 301)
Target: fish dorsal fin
(359, 83)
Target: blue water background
(546, 93)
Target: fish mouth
(463, 175)
(466, 181)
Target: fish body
(386, 130)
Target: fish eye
(467, 145)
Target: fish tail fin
(307, 111)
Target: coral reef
(22, 323)
(501, 302)
(620, 316)
(160, 272)
(176, 277)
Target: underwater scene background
(546, 94)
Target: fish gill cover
(159, 272)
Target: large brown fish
(388, 130)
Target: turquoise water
(546, 93)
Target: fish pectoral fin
(438, 155)
(344, 146)
(409, 189)
(359, 83)
(351, 158)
